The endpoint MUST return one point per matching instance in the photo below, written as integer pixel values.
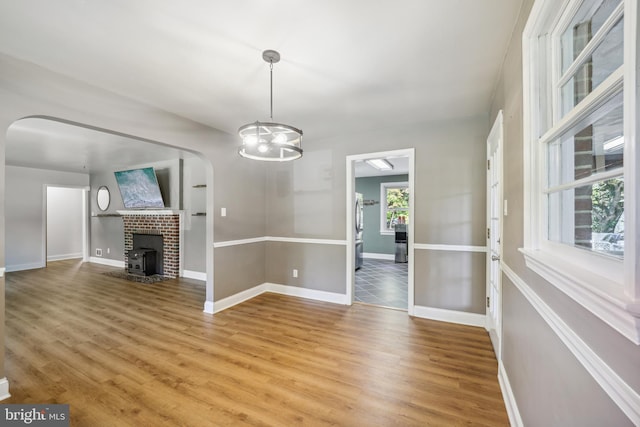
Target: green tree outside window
(397, 206)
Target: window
(576, 117)
(584, 187)
(394, 205)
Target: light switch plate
(223, 211)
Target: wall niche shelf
(200, 186)
(112, 215)
(199, 214)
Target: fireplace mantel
(151, 212)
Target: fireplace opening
(147, 256)
(142, 262)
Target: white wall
(24, 213)
(64, 223)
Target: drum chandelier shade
(270, 141)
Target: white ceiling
(346, 65)
(47, 144)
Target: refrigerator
(359, 227)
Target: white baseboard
(208, 307)
(372, 255)
(27, 266)
(294, 291)
(451, 316)
(107, 261)
(313, 294)
(509, 400)
(238, 298)
(197, 275)
(64, 256)
(4, 389)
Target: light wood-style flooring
(124, 353)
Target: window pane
(589, 217)
(397, 206)
(585, 24)
(606, 58)
(397, 198)
(596, 148)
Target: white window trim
(607, 287)
(383, 204)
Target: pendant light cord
(271, 77)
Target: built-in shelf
(200, 186)
(199, 214)
(111, 215)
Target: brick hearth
(162, 223)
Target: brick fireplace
(167, 223)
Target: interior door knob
(495, 257)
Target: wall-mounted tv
(139, 188)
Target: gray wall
(550, 386)
(307, 199)
(64, 223)
(194, 201)
(240, 189)
(106, 232)
(176, 178)
(319, 266)
(247, 269)
(460, 279)
(374, 242)
(24, 215)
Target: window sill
(603, 297)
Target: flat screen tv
(139, 188)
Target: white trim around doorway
(85, 222)
(410, 153)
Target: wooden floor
(125, 353)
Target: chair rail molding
(627, 399)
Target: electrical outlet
(98, 252)
(295, 273)
(108, 250)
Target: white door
(494, 234)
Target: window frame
(384, 186)
(606, 286)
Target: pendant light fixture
(270, 141)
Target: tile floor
(382, 282)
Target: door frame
(85, 219)
(351, 190)
(496, 136)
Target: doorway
(380, 188)
(66, 226)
